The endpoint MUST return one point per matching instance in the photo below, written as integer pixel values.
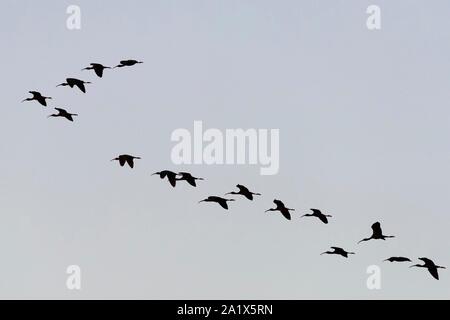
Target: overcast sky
(364, 136)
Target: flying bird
(317, 213)
(38, 97)
(429, 264)
(171, 176)
(98, 68)
(189, 178)
(282, 208)
(71, 82)
(63, 113)
(222, 201)
(126, 158)
(397, 259)
(339, 251)
(244, 192)
(127, 63)
(377, 233)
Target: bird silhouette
(222, 201)
(189, 178)
(397, 259)
(71, 82)
(282, 208)
(126, 158)
(127, 63)
(38, 97)
(243, 191)
(171, 176)
(429, 264)
(63, 113)
(98, 68)
(317, 213)
(377, 233)
(339, 251)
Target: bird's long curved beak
(267, 210)
(201, 201)
(24, 100)
(154, 173)
(323, 253)
(60, 84)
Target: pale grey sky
(364, 126)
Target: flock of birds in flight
(173, 177)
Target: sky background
(364, 126)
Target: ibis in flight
(429, 264)
(189, 178)
(397, 259)
(71, 82)
(126, 158)
(63, 113)
(377, 233)
(339, 251)
(170, 175)
(127, 63)
(38, 97)
(317, 213)
(243, 191)
(98, 68)
(222, 201)
(282, 208)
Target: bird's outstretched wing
(172, 179)
(376, 228)
(42, 101)
(121, 161)
(130, 162)
(323, 218)
(98, 70)
(427, 261)
(286, 214)
(81, 86)
(223, 203)
(434, 272)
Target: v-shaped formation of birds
(173, 177)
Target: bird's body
(63, 113)
(317, 213)
(338, 251)
(377, 233)
(127, 63)
(430, 265)
(38, 97)
(282, 208)
(71, 82)
(397, 259)
(222, 201)
(189, 178)
(244, 192)
(98, 68)
(170, 175)
(126, 158)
